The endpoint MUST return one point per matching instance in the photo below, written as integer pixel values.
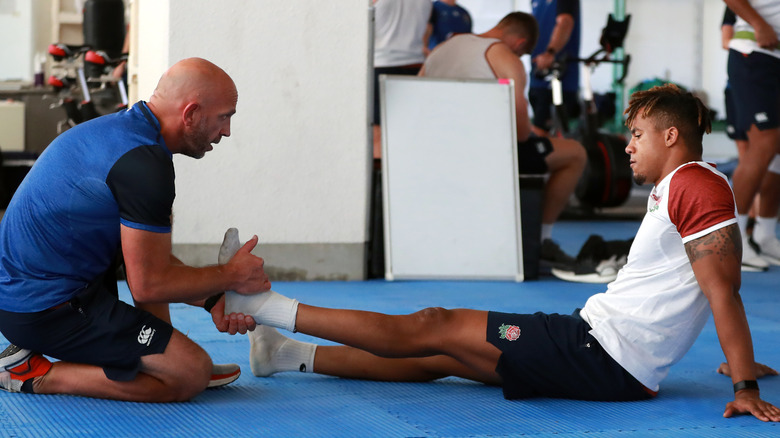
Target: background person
(559, 36)
(447, 19)
(754, 77)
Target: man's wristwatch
(551, 51)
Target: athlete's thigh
(465, 340)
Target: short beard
(640, 179)
(193, 142)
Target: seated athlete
(684, 263)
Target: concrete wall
(295, 170)
(16, 40)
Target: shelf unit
(66, 21)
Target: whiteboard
(449, 178)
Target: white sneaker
(224, 374)
(605, 272)
(751, 261)
(769, 250)
(13, 356)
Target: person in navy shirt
(104, 190)
(447, 19)
(559, 36)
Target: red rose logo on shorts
(509, 332)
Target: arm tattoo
(724, 242)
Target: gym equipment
(607, 179)
(85, 69)
(100, 59)
(104, 29)
(66, 80)
(69, 80)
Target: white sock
(230, 246)
(742, 220)
(271, 352)
(764, 229)
(547, 231)
(268, 308)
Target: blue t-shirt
(447, 21)
(546, 12)
(61, 230)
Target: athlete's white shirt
(652, 313)
(769, 10)
(399, 26)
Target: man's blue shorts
(552, 355)
(93, 328)
(755, 82)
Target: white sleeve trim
(709, 230)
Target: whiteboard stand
(450, 181)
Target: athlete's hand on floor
(748, 402)
(761, 370)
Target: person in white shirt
(754, 78)
(399, 29)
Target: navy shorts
(755, 82)
(552, 355)
(731, 116)
(93, 328)
(531, 154)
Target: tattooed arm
(716, 260)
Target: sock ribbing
(267, 308)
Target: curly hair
(668, 106)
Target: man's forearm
(743, 9)
(179, 283)
(734, 336)
(564, 25)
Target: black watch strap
(745, 384)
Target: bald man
(104, 190)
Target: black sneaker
(552, 256)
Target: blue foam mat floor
(691, 401)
